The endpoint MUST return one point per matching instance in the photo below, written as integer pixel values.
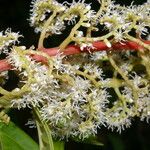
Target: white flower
(8, 38)
(127, 92)
(102, 55)
(57, 27)
(41, 10)
(137, 80)
(31, 123)
(118, 119)
(87, 129)
(88, 46)
(79, 34)
(94, 70)
(15, 60)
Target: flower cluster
(41, 10)
(7, 38)
(119, 20)
(69, 100)
(76, 94)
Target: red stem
(74, 49)
(4, 65)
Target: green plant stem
(130, 84)
(44, 133)
(45, 27)
(131, 38)
(71, 35)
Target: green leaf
(59, 145)
(45, 139)
(93, 140)
(44, 132)
(13, 138)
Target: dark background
(14, 15)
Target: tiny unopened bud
(107, 43)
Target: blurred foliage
(14, 14)
(11, 135)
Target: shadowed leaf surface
(13, 138)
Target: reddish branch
(73, 49)
(4, 65)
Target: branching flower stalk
(71, 85)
